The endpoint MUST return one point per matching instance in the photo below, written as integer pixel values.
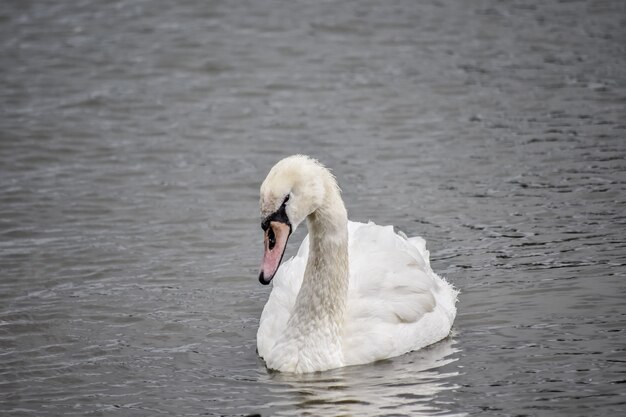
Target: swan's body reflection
(405, 385)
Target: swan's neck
(318, 313)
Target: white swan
(355, 293)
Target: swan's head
(294, 188)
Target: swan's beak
(276, 235)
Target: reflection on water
(407, 385)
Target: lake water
(135, 135)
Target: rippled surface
(135, 135)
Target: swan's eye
(271, 238)
(286, 199)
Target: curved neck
(321, 301)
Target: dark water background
(135, 135)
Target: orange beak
(275, 242)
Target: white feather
(366, 294)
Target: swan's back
(396, 303)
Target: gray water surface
(134, 138)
